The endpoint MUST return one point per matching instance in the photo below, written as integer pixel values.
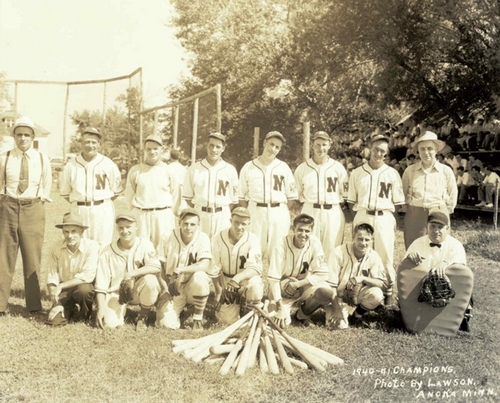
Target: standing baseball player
(186, 271)
(358, 274)
(211, 186)
(153, 193)
(25, 182)
(236, 253)
(267, 185)
(71, 273)
(298, 273)
(179, 172)
(375, 189)
(90, 182)
(322, 187)
(128, 259)
(428, 184)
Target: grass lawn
(79, 363)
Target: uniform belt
(153, 208)
(228, 275)
(211, 209)
(90, 203)
(375, 212)
(23, 202)
(268, 204)
(323, 206)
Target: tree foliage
(336, 63)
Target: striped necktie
(23, 175)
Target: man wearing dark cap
(211, 186)
(153, 193)
(71, 272)
(355, 264)
(90, 182)
(438, 251)
(375, 192)
(25, 182)
(322, 188)
(129, 257)
(237, 255)
(267, 189)
(186, 258)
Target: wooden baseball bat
(309, 358)
(262, 358)
(224, 369)
(215, 360)
(285, 360)
(201, 351)
(221, 349)
(322, 354)
(243, 362)
(270, 357)
(298, 363)
(252, 356)
(236, 361)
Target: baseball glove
(351, 297)
(174, 284)
(436, 290)
(287, 291)
(126, 291)
(230, 294)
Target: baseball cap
(154, 138)
(241, 212)
(125, 216)
(218, 136)
(72, 219)
(188, 211)
(321, 135)
(275, 134)
(378, 136)
(23, 121)
(439, 217)
(92, 130)
(364, 223)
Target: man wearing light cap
(211, 187)
(322, 188)
(427, 184)
(129, 257)
(437, 251)
(375, 191)
(267, 188)
(25, 181)
(71, 272)
(90, 182)
(153, 193)
(186, 258)
(236, 253)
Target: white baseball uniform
(232, 259)
(343, 265)
(267, 190)
(152, 192)
(111, 269)
(175, 253)
(322, 189)
(212, 189)
(179, 172)
(90, 187)
(305, 263)
(375, 193)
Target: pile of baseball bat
(255, 337)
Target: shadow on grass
(20, 311)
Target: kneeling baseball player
(186, 273)
(298, 274)
(358, 274)
(237, 254)
(126, 274)
(72, 270)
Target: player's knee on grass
(166, 316)
(254, 289)
(370, 297)
(114, 315)
(323, 295)
(148, 289)
(84, 293)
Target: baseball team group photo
(289, 236)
